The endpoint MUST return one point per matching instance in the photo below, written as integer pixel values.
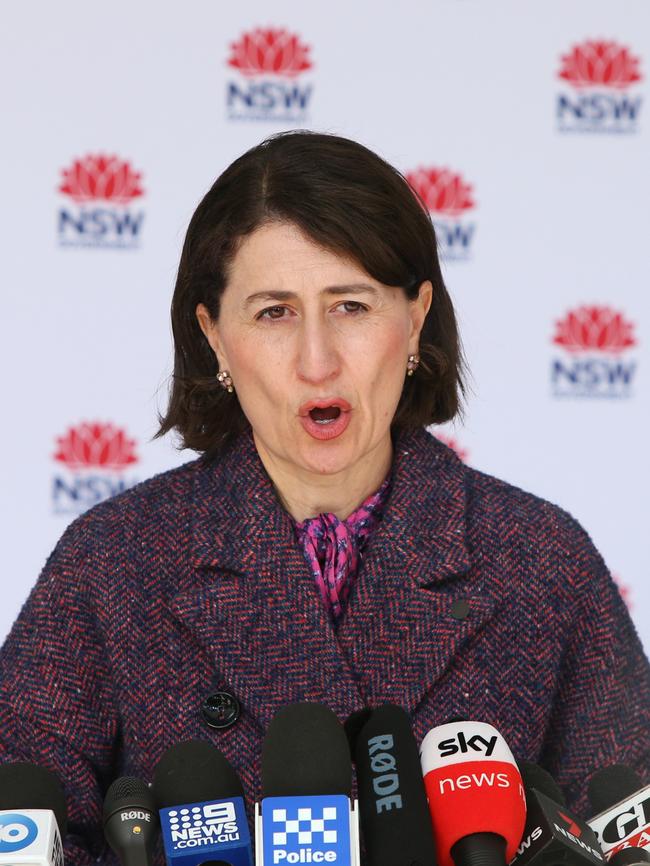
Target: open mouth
(326, 415)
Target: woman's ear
(419, 307)
(210, 330)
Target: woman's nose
(318, 357)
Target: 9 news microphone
(476, 796)
(622, 806)
(130, 821)
(553, 834)
(306, 815)
(393, 809)
(33, 816)
(201, 803)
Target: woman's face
(300, 325)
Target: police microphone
(130, 821)
(201, 803)
(393, 810)
(552, 833)
(33, 816)
(306, 815)
(476, 796)
(622, 809)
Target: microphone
(476, 796)
(33, 815)
(393, 809)
(130, 821)
(622, 807)
(201, 803)
(306, 815)
(552, 833)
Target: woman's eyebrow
(268, 295)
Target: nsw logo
(16, 832)
(450, 201)
(316, 831)
(595, 362)
(269, 84)
(101, 192)
(600, 89)
(94, 459)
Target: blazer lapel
(250, 600)
(410, 612)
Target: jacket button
(460, 609)
(220, 710)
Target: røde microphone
(306, 815)
(33, 816)
(130, 821)
(622, 807)
(202, 815)
(476, 796)
(552, 834)
(393, 810)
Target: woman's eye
(357, 306)
(270, 312)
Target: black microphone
(33, 815)
(552, 833)
(201, 803)
(393, 810)
(621, 804)
(130, 821)
(306, 815)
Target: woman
(324, 547)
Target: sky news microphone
(393, 810)
(201, 803)
(306, 815)
(476, 796)
(552, 833)
(621, 805)
(130, 821)
(33, 816)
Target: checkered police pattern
(305, 826)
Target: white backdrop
(524, 125)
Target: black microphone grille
(194, 771)
(305, 752)
(611, 785)
(28, 786)
(534, 776)
(128, 792)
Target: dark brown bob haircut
(348, 200)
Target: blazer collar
(237, 515)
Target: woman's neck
(306, 494)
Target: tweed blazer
(472, 599)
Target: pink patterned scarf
(332, 548)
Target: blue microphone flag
(197, 832)
(313, 829)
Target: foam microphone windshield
(202, 814)
(622, 805)
(393, 809)
(476, 796)
(130, 821)
(553, 834)
(306, 815)
(33, 816)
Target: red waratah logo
(96, 446)
(105, 178)
(599, 63)
(598, 329)
(269, 51)
(442, 191)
